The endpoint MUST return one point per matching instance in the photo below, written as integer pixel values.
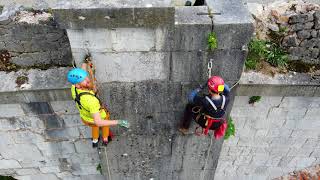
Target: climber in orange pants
(91, 112)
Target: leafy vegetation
(99, 168)
(254, 99)
(212, 41)
(261, 50)
(230, 129)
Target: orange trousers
(95, 130)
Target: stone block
(316, 153)
(305, 134)
(71, 120)
(287, 113)
(62, 134)
(230, 61)
(8, 164)
(309, 43)
(317, 19)
(288, 142)
(296, 51)
(64, 107)
(290, 41)
(38, 177)
(47, 95)
(301, 162)
(10, 110)
(291, 102)
(83, 158)
(300, 18)
(188, 66)
(86, 170)
(279, 132)
(309, 124)
(131, 66)
(314, 33)
(275, 151)
(243, 160)
(114, 17)
(56, 148)
(50, 169)
(18, 152)
(312, 113)
(27, 171)
(298, 27)
(304, 34)
(21, 137)
(309, 25)
(84, 146)
(133, 39)
(311, 143)
(95, 40)
(300, 152)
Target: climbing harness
(219, 132)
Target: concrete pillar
(148, 59)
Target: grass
(261, 50)
(254, 99)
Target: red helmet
(216, 84)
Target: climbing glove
(123, 123)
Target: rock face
(297, 23)
(304, 26)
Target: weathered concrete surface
(114, 17)
(34, 43)
(273, 137)
(145, 69)
(45, 141)
(292, 84)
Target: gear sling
(207, 122)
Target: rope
(106, 154)
(95, 85)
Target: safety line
(108, 168)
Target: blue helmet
(76, 75)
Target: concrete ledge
(292, 84)
(51, 85)
(34, 86)
(114, 17)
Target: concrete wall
(273, 137)
(45, 141)
(145, 65)
(31, 42)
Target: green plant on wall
(261, 50)
(99, 168)
(212, 41)
(230, 129)
(276, 56)
(254, 99)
